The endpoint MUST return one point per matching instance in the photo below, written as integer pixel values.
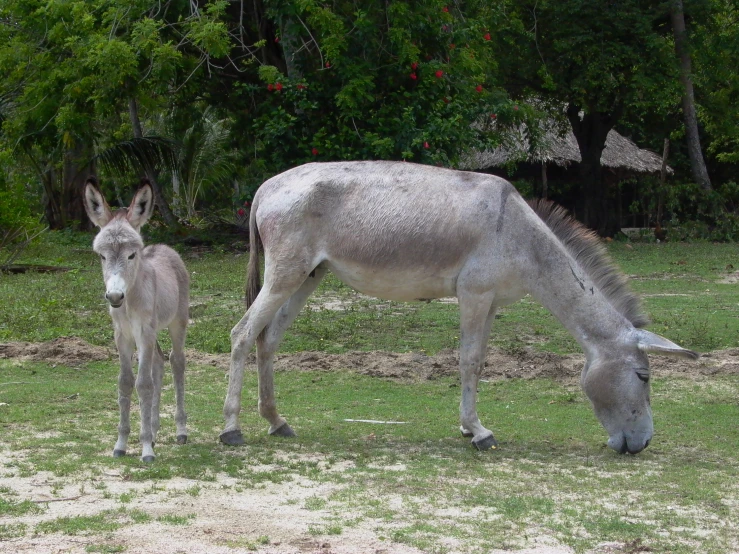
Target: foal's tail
(253, 278)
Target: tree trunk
(697, 163)
(76, 169)
(591, 132)
(544, 181)
(169, 218)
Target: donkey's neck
(567, 291)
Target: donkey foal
(147, 289)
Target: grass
(419, 483)
(551, 474)
(678, 282)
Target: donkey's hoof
(465, 432)
(181, 439)
(232, 438)
(485, 443)
(147, 459)
(283, 430)
(119, 453)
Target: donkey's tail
(253, 278)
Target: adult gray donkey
(402, 231)
(148, 290)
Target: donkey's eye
(132, 256)
(102, 257)
(643, 375)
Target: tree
(695, 153)
(72, 69)
(596, 59)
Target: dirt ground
(525, 363)
(229, 522)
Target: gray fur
(587, 249)
(402, 231)
(148, 290)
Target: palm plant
(204, 159)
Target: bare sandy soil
(526, 363)
(230, 519)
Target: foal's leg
(267, 345)
(145, 388)
(244, 335)
(177, 331)
(157, 374)
(475, 318)
(125, 345)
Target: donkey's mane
(585, 246)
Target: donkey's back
(394, 230)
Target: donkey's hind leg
(243, 337)
(157, 375)
(177, 331)
(267, 344)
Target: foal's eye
(132, 256)
(102, 257)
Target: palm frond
(139, 154)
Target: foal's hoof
(119, 453)
(283, 430)
(147, 459)
(181, 439)
(485, 443)
(232, 438)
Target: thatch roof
(562, 149)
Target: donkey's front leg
(145, 389)
(125, 345)
(476, 315)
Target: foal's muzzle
(115, 299)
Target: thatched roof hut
(559, 146)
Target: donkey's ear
(652, 343)
(95, 205)
(142, 206)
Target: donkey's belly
(392, 284)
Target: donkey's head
(617, 384)
(118, 243)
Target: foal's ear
(142, 206)
(651, 343)
(95, 205)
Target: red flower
(452, 46)
(414, 66)
(478, 88)
(493, 116)
(426, 145)
(246, 203)
(515, 108)
(241, 212)
(328, 64)
(439, 73)
(301, 87)
(277, 39)
(314, 151)
(278, 86)
(270, 87)
(446, 100)
(413, 76)
(486, 36)
(445, 9)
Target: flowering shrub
(403, 81)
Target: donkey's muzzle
(115, 299)
(623, 445)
